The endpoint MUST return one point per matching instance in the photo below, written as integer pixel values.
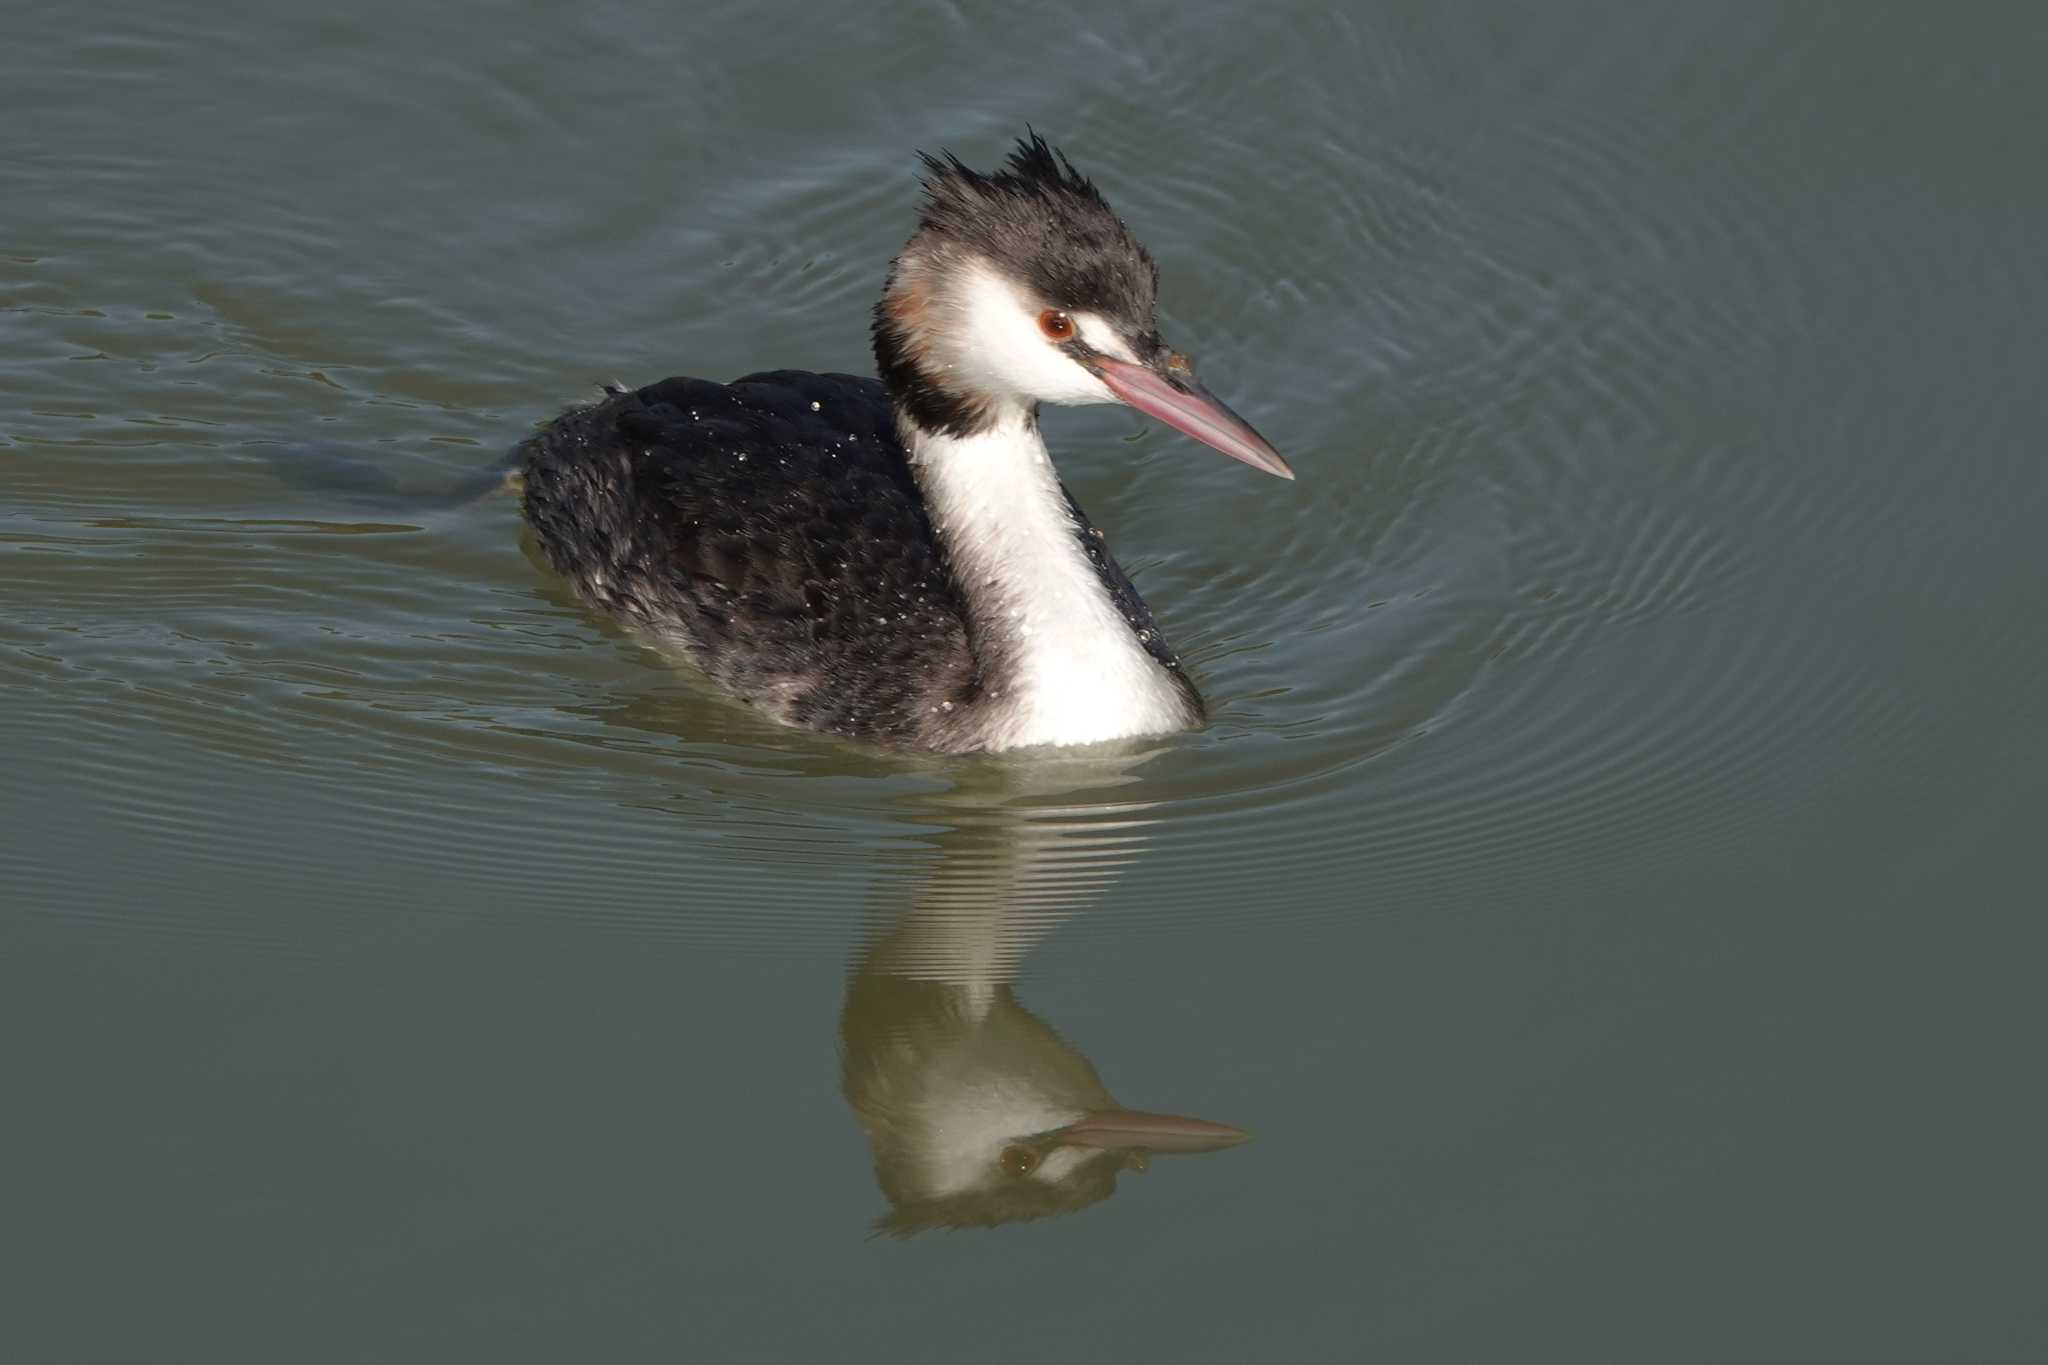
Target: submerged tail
(361, 484)
(349, 479)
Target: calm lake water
(1609, 891)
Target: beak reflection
(977, 1111)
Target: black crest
(1044, 223)
(1048, 225)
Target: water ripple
(1598, 562)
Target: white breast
(1077, 674)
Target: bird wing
(772, 527)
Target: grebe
(897, 560)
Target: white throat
(1068, 669)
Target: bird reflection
(977, 1111)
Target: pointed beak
(1149, 1132)
(1169, 391)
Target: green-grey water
(1608, 890)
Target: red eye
(1018, 1160)
(1056, 325)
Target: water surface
(1608, 889)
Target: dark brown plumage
(771, 528)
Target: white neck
(1066, 667)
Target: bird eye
(1056, 325)
(1017, 1160)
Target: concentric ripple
(1597, 566)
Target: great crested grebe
(897, 559)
